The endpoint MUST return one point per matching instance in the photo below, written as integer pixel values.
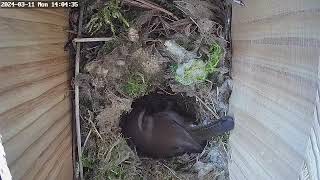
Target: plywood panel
(286, 26)
(43, 123)
(28, 92)
(25, 74)
(59, 144)
(18, 118)
(22, 30)
(28, 54)
(262, 10)
(276, 46)
(35, 106)
(21, 165)
(311, 169)
(34, 16)
(15, 32)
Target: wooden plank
(23, 74)
(51, 168)
(269, 139)
(59, 144)
(259, 10)
(30, 42)
(287, 102)
(65, 171)
(19, 95)
(287, 26)
(286, 106)
(35, 109)
(267, 153)
(20, 166)
(57, 11)
(271, 115)
(18, 118)
(246, 163)
(23, 33)
(54, 172)
(22, 55)
(277, 77)
(237, 171)
(11, 29)
(295, 58)
(36, 129)
(272, 163)
(275, 55)
(34, 15)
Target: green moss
(214, 59)
(106, 17)
(197, 71)
(191, 72)
(136, 86)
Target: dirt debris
(136, 63)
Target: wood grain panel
(65, 170)
(35, 16)
(43, 123)
(290, 25)
(30, 155)
(54, 172)
(25, 93)
(18, 118)
(270, 9)
(24, 74)
(275, 58)
(56, 11)
(16, 33)
(35, 106)
(22, 32)
(59, 144)
(283, 150)
(28, 54)
(50, 168)
(311, 169)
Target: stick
(76, 97)
(85, 142)
(150, 5)
(94, 126)
(172, 171)
(91, 39)
(213, 113)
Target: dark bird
(167, 133)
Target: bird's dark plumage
(167, 133)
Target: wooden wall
(35, 106)
(276, 46)
(311, 169)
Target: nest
(137, 62)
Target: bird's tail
(206, 132)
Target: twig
(85, 142)
(172, 171)
(76, 96)
(213, 113)
(172, 94)
(94, 126)
(150, 5)
(71, 31)
(217, 93)
(91, 39)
